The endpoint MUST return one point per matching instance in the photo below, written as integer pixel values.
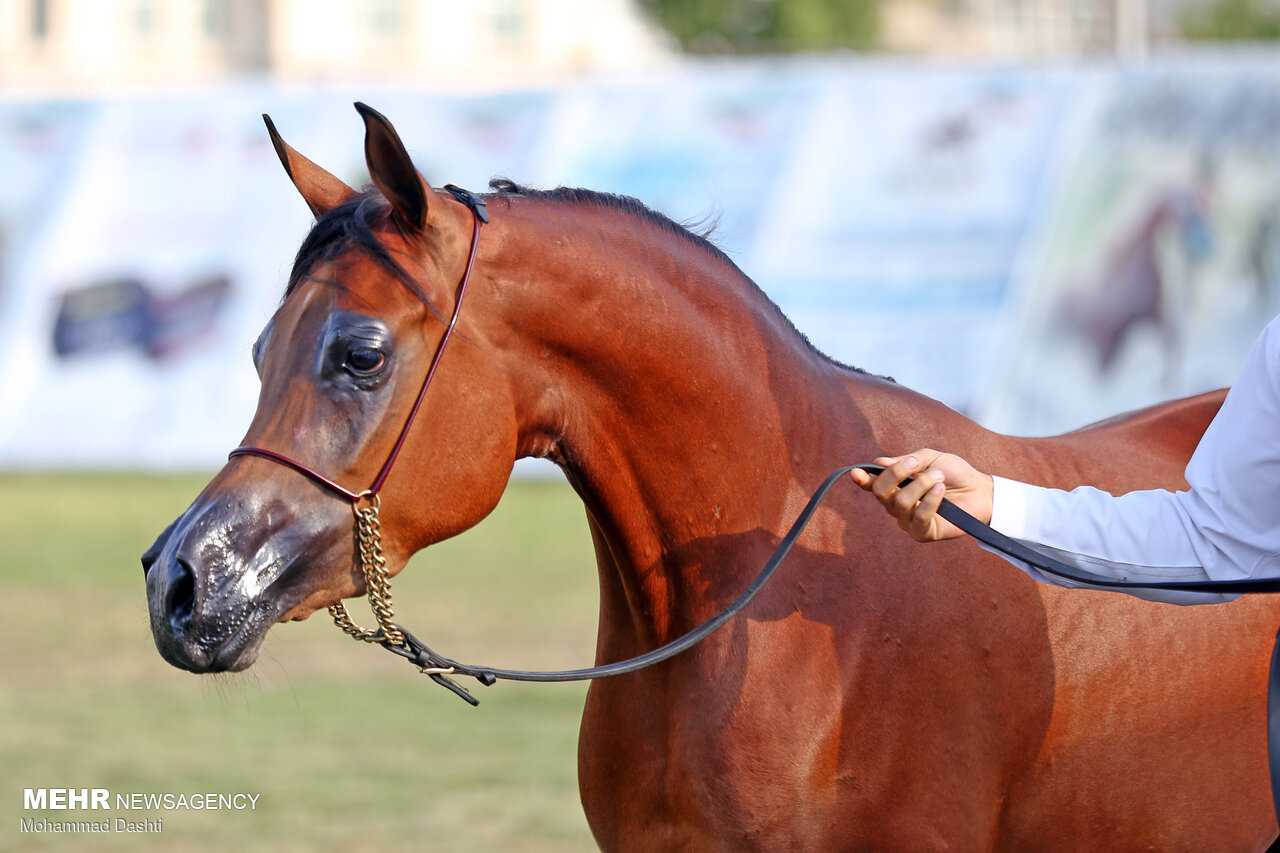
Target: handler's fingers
(895, 472)
(865, 480)
(862, 478)
(924, 516)
(906, 498)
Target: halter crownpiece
(478, 207)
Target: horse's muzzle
(202, 620)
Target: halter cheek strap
(479, 216)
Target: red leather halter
(479, 215)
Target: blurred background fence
(1089, 235)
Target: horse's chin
(239, 652)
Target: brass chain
(378, 585)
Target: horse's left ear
(321, 190)
(393, 171)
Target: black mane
(634, 207)
(613, 201)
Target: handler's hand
(937, 475)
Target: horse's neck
(680, 404)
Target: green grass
(349, 748)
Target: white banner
(1154, 261)
(145, 241)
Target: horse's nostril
(152, 554)
(148, 560)
(179, 600)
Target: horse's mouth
(221, 639)
(238, 652)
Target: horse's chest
(734, 755)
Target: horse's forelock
(349, 227)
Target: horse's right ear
(321, 190)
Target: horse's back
(1167, 432)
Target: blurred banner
(1075, 242)
(1154, 260)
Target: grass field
(348, 747)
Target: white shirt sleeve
(1226, 526)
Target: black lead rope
(422, 656)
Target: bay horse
(878, 695)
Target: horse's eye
(364, 359)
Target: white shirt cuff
(1009, 507)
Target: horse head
(341, 364)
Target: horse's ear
(393, 172)
(321, 190)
